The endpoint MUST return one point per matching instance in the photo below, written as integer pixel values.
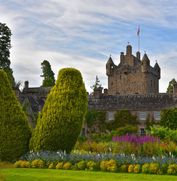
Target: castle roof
(145, 59)
(110, 61)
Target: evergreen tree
(48, 74)
(170, 86)
(59, 124)
(5, 45)
(96, 84)
(14, 129)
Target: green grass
(15, 174)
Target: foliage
(22, 164)
(137, 168)
(123, 118)
(96, 84)
(59, 165)
(164, 133)
(154, 168)
(61, 119)
(169, 118)
(96, 121)
(5, 45)
(131, 168)
(172, 169)
(128, 129)
(37, 163)
(145, 168)
(67, 166)
(170, 86)
(48, 74)
(81, 165)
(92, 165)
(14, 128)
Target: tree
(48, 74)
(60, 122)
(96, 84)
(170, 86)
(14, 128)
(5, 45)
(169, 118)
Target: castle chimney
(26, 85)
(121, 57)
(138, 55)
(129, 50)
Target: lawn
(14, 174)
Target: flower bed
(102, 162)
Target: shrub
(130, 168)
(111, 166)
(128, 129)
(91, 165)
(164, 168)
(59, 165)
(60, 121)
(51, 166)
(123, 168)
(172, 169)
(153, 168)
(137, 168)
(67, 166)
(145, 168)
(82, 165)
(14, 129)
(103, 165)
(22, 164)
(37, 164)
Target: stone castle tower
(132, 75)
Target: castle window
(110, 116)
(142, 116)
(157, 115)
(112, 67)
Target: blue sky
(83, 33)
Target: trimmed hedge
(61, 119)
(14, 129)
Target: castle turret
(157, 69)
(138, 55)
(145, 63)
(129, 50)
(122, 57)
(109, 66)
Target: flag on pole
(138, 31)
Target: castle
(133, 84)
(132, 75)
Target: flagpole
(138, 34)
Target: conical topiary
(60, 122)
(14, 130)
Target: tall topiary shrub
(14, 129)
(59, 124)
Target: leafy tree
(170, 86)
(5, 45)
(169, 118)
(96, 84)
(48, 74)
(61, 119)
(14, 128)
(123, 118)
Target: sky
(83, 33)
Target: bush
(172, 169)
(153, 168)
(128, 129)
(14, 129)
(145, 168)
(91, 165)
(51, 166)
(123, 168)
(60, 121)
(103, 165)
(82, 165)
(111, 166)
(37, 164)
(22, 164)
(59, 165)
(137, 168)
(67, 166)
(169, 118)
(131, 168)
